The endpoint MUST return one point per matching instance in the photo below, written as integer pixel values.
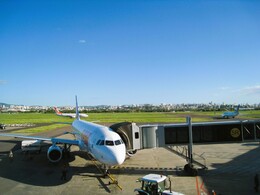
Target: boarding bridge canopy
(207, 132)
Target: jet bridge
(205, 132)
(185, 134)
(161, 135)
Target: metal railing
(182, 151)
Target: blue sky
(129, 52)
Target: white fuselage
(71, 115)
(100, 141)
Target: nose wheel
(106, 172)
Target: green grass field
(50, 121)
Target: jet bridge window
(109, 143)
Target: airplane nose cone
(119, 159)
(115, 157)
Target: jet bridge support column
(188, 120)
(189, 168)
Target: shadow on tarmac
(234, 177)
(35, 169)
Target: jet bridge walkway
(171, 136)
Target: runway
(231, 169)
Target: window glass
(101, 142)
(98, 142)
(109, 143)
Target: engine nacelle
(54, 153)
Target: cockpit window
(117, 142)
(109, 143)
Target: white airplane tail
(57, 111)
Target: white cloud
(82, 41)
(224, 88)
(253, 90)
(2, 82)
(248, 94)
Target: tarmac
(231, 170)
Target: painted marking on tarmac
(201, 190)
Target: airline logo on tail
(71, 115)
(57, 111)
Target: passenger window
(117, 142)
(109, 143)
(101, 143)
(98, 142)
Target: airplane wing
(53, 140)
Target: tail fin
(57, 111)
(77, 109)
(237, 108)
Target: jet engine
(129, 133)
(54, 153)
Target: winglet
(77, 109)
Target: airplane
(71, 115)
(231, 114)
(100, 141)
